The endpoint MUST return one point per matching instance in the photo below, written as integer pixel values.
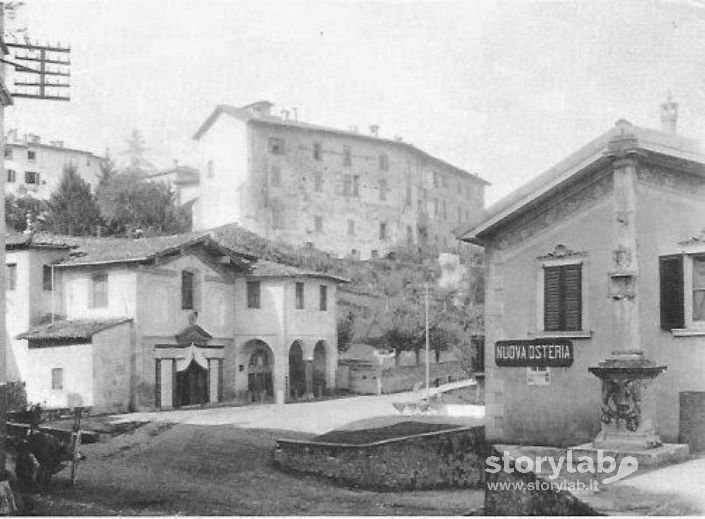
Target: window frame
(95, 278)
(690, 327)
(323, 298)
(576, 258)
(276, 145)
(11, 176)
(191, 292)
(10, 277)
(253, 294)
(60, 378)
(32, 155)
(299, 295)
(47, 281)
(35, 175)
(347, 156)
(317, 151)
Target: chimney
(374, 129)
(259, 109)
(669, 116)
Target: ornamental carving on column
(621, 402)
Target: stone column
(628, 406)
(308, 364)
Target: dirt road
(219, 470)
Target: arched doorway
(319, 368)
(192, 385)
(259, 372)
(297, 371)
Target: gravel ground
(216, 465)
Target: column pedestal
(628, 403)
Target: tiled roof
(244, 115)
(99, 251)
(269, 269)
(74, 329)
(241, 245)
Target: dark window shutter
(551, 299)
(671, 279)
(562, 295)
(187, 290)
(572, 297)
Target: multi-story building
(342, 191)
(118, 324)
(35, 168)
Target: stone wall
(692, 420)
(362, 378)
(447, 459)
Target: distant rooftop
(259, 113)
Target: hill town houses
(123, 324)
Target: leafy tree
(107, 170)
(345, 331)
(72, 206)
(18, 209)
(129, 202)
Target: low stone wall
(452, 458)
(362, 378)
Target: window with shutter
(562, 298)
(671, 281)
(187, 290)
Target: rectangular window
(11, 175)
(562, 298)
(409, 235)
(351, 227)
(31, 155)
(382, 231)
(324, 298)
(99, 290)
(444, 208)
(382, 189)
(347, 185)
(299, 296)
(374, 253)
(435, 179)
(383, 162)
(47, 278)
(276, 176)
(11, 276)
(57, 378)
(436, 210)
(671, 293)
(277, 222)
(698, 288)
(253, 294)
(318, 182)
(444, 182)
(317, 151)
(8, 153)
(356, 186)
(187, 290)
(31, 177)
(276, 145)
(318, 222)
(347, 156)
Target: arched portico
(320, 368)
(259, 364)
(297, 371)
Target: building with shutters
(553, 272)
(34, 168)
(342, 191)
(165, 322)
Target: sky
(504, 89)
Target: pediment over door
(193, 334)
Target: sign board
(538, 376)
(536, 352)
